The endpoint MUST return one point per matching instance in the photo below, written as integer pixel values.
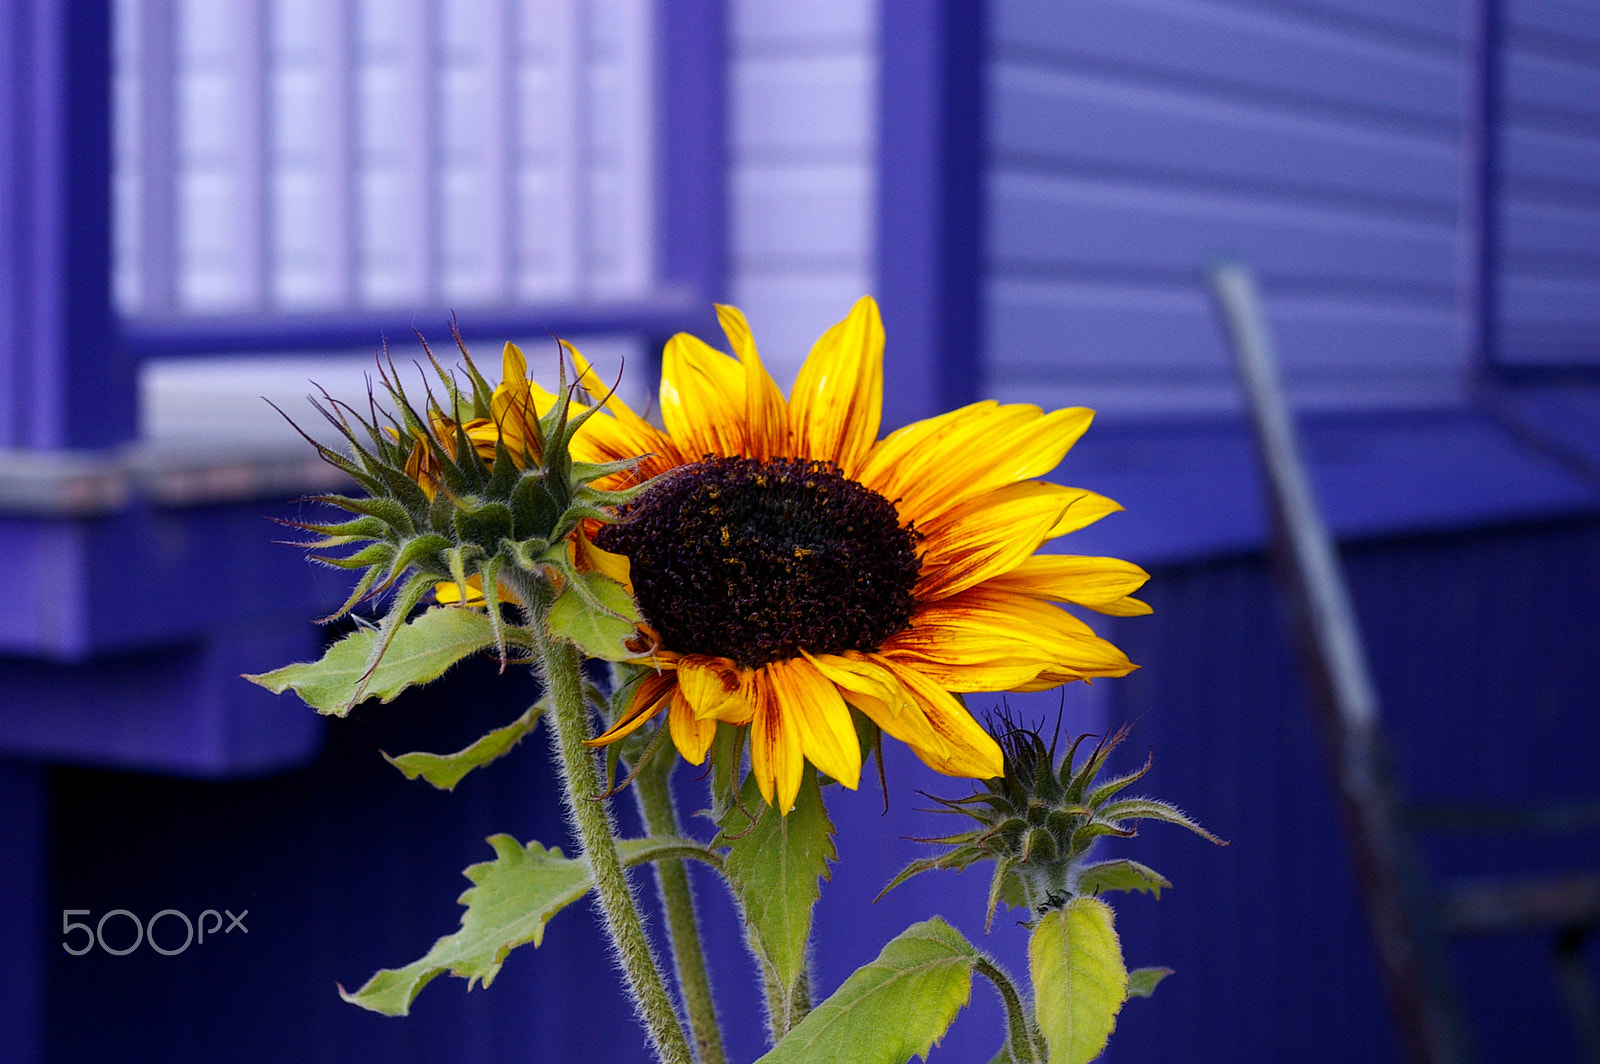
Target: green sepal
(512, 898)
(381, 554)
(421, 650)
(596, 613)
(531, 555)
(444, 771)
(1079, 979)
(1003, 879)
(1094, 829)
(1121, 875)
(898, 1006)
(533, 508)
(1107, 790)
(357, 593)
(1078, 782)
(505, 474)
(1142, 982)
(775, 867)
(588, 472)
(347, 531)
(388, 511)
(485, 524)
(952, 860)
(727, 756)
(1152, 809)
(428, 548)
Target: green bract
(482, 493)
(1039, 821)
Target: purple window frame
(69, 364)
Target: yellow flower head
(791, 565)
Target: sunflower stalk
(786, 1006)
(653, 793)
(1022, 1041)
(591, 823)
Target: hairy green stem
(653, 793)
(785, 1007)
(597, 839)
(1020, 1038)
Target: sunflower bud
(478, 498)
(1039, 821)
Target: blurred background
(207, 202)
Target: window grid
(324, 156)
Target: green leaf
(1079, 980)
(422, 649)
(774, 867)
(511, 900)
(444, 771)
(1142, 982)
(596, 613)
(1121, 875)
(897, 1007)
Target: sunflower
(790, 565)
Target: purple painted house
(204, 202)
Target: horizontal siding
(1126, 349)
(1238, 50)
(1434, 24)
(1133, 141)
(1048, 117)
(803, 144)
(1062, 221)
(1547, 283)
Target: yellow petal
(1087, 581)
(1124, 607)
(1087, 508)
(813, 707)
(591, 558)
(690, 734)
(652, 694)
(988, 536)
(974, 640)
(702, 399)
(775, 757)
(873, 690)
(513, 366)
(766, 415)
(448, 592)
(622, 434)
(715, 688)
(931, 466)
(837, 403)
(972, 751)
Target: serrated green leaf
(1079, 979)
(422, 649)
(511, 900)
(596, 613)
(1142, 982)
(444, 771)
(897, 1007)
(774, 867)
(1121, 875)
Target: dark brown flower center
(756, 560)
